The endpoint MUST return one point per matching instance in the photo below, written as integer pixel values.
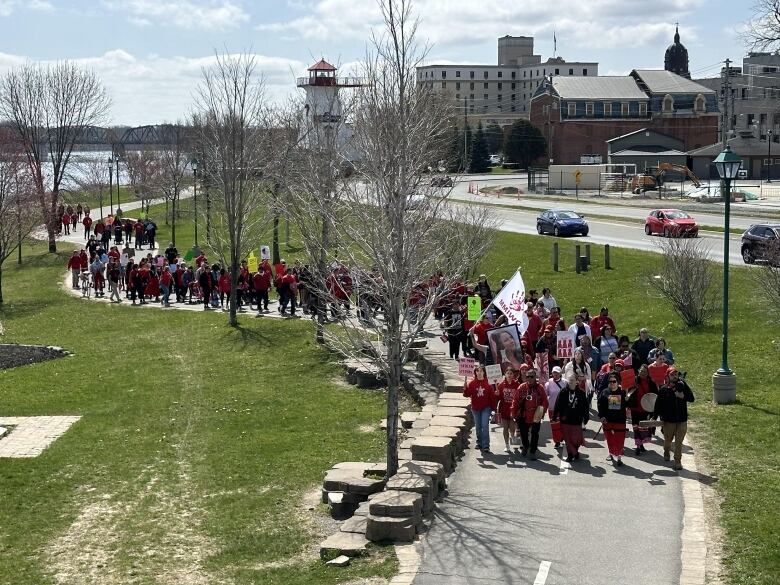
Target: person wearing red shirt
(223, 286)
(479, 338)
(261, 281)
(74, 265)
(658, 370)
(535, 327)
(525, 400)
(503, 398)
(289, 292)
(66, 223)
(87, 223)
(166, 281)
(139, 235)
(481, 393)
(602, 319)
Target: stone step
(342, 505)
(356, 524)
(407, 418)
(397, 504)
(386, 528)
(454, 401)
(453, 433)
(433, 470)
(418, 484)
(435, 449)
(454, 411)
(350, 544)
(351, 481)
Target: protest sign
(466, 366)
(252, 262)
(474, 308)
(564, 344)
(265, 253)
(493, 373)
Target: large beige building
(500, 94)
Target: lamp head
(728, 163)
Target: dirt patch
(13, 355)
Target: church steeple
(676, 58)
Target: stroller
(85, 280)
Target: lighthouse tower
(323, 108)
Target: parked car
(495, 160)
(671, 223)
(761, 242)
(444, 181)
(561, 222)
(711, 193)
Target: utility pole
(549, 125)
(465, 134)
(726, 95)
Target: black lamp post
(194, 165)
(769, 156)
(111, 184)
(116, 160)
(724, 380)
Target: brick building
(579, 115)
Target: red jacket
(74, 263)
(87, 221)
(535, 328)
(480, 332)
(480, 392)
(224, 283)
(525, 400)
(262, 281)
(84, 260)
(166, 279)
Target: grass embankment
(738, 441)
(197, 446)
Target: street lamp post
(111, 184)
(116, 160)
(724, 380)
(194, 165)
(769, 156)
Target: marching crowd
(631, 379)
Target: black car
(761, 242)
(560, 222)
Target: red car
(671, 223)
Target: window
(444, 75)
(471, 97)
(471, 85)
(500, 85)
(457, 74)
(642, 109)
(700, 105)
(668, 103)
(557, 72)
(500, 74)
(499, 97)
(607, 109)
(485, 96)
(485, 74)
(545, 110)
(571, 71)
(513, 97)
(471, 74)
(514, 74)
(624, 109)
(457, 85)
(513, 85)
(471, 108)
(584, 72)
(537, 73)
(457, 96)
(485, 86)
(524, 73)
(572, 109)
(444, 85)
(744, 95)
(589, 109)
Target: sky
(150, 53)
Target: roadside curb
(693, 556)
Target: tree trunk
(275, 240)
(173, 221)
(233, 318)
(166, 211)
(52, 240)
(393, 385)
(1, 284)
(321, 272)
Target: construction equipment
(652, 178)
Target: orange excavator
(653, 177)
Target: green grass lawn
(195, 437)
(738, 442)
(197, 446)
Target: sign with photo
(505, 347)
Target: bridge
(139, 138)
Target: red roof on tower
(322, 65)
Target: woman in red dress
(153, 285)
(504, 393)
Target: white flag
(511, 301)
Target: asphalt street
(514, 521)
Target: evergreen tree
(467, 145)
(524, 144)
(494, 136)
(455, 155)
(478, 161)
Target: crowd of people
(634, 380)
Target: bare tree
(49, 106)
(144, 171)
(18, 212)
(762, 31)
(395, 232)
(92, 178)
(174, 159)
(686, 279)
(235, 140)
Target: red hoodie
(480, 392)
(525, 400)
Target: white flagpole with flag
(511, 301)
(555, 45)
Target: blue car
(560, 222)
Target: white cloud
(595, 24)
(154, 89)
(7, 7)
(188, 14)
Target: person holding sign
(503, 398)
(644, 386)
(529, 403)
(481, 393)
(553, 387)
